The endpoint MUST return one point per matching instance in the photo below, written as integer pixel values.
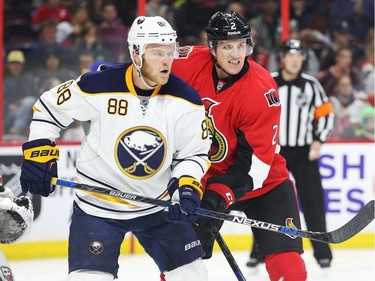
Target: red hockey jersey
(243, 117)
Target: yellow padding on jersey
(42, 154)
(35, 109)
(323, 110)
(194, 183)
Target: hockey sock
(287, 266)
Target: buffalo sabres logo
(140, 152)
(96, 247)
(272, 98)
(219, 145)
(141, 20)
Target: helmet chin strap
(138, 68)
(220, 67)
(144, 82)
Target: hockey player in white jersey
(145, 134)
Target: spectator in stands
(366, 130)
(53, 68)
(50, 10)
(347, 107)
(85, 59)
(190, 18)
(340, 38)
(46, 44)
(366, 72)
(237, 7)
(258, 55)
(126, 12)
(16, 24)
(359, 14)
(158, 8)
(68, 32)
(202, 40)
(90, 42)
(19, 96)
(299, 13)
(111, 31)
(343, 66)
(267, 25)
(309, 15)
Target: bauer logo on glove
(39, 166)
(42, 154)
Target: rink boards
(348, 178)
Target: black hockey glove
(39, 166)
(219, 195)
(186, 195)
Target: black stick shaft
(227, 253)
(363, 218)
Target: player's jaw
(229, 65)
(154, 75)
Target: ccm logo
(45, 152)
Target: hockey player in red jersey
(243, 113)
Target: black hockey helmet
(291, 45)
(228, 26)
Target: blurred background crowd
(47, 42)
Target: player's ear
(136, 57)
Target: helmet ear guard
(228, 26)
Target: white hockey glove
(16, 216)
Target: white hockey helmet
(150, 30)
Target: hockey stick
(213, 229)
(227, 254)
(363, 218)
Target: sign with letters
(347, 169)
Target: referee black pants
(310, 194)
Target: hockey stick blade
(363, 218)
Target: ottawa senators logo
(140, 152)
(289, 223)
(272, 98)
(219, 147)
(183, 52)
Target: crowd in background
(51, 41)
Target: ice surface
(347, 265)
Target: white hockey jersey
(130, 146)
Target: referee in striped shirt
(306, 122)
